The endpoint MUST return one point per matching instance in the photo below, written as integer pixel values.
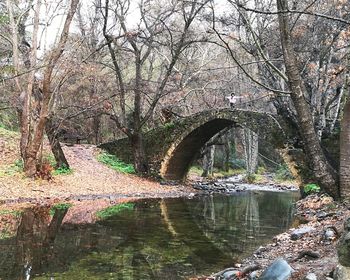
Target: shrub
(63, 170)
(283, 173)
(311, 188)
(251, 178)
(113, 162)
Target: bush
(113, 162)
(237, 163)
(283, 173)
(311, 188)
(63, 170)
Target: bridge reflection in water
(159, 239)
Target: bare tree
(150, 52)
(36, 97)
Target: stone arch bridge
(172, 148)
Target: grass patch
(15, 213)
(11, 169)
(113, 162)
(62, 170)
(254, 178)
(59, 206)
(196, 170)
(113, 210)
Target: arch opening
(181, 158)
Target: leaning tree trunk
(322, 170)
(56, 148)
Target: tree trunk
(208, 161)
(140, 159)
(56, 148)
(226, 157)
(344, 162)
(344, 168)
(322, 170)
(251, 144)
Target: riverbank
(308, 247)
(90, 179)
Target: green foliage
(237, 163)
(169, 125)
(59, 206)
(12, 169)
(311, 188)
(283, 173)
(49, 158)
(4, 18)
(15, 213)
(113, 162)
(261, 170)
(113, 210)
(253, 178)
(62, 170)
(196, 170)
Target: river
(154, 239)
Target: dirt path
(89, 178)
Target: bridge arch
(181, 153)
(172, 148)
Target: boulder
(343, 247)
(278, 270)
(341, 273)
(300, 232)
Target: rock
(343, 247)
(253, 275)
(311, 276)
(329, 234)
(278, 270)
(300, 232)
(341, 273)
(231, 274)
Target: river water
(156, 239)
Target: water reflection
(159, 239)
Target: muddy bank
(309, 246)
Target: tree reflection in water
(159, 239)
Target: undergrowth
(12, 169)
(59, 206)
(113, 210)
(62, 170)
(113, 162)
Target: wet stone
(278, 270)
